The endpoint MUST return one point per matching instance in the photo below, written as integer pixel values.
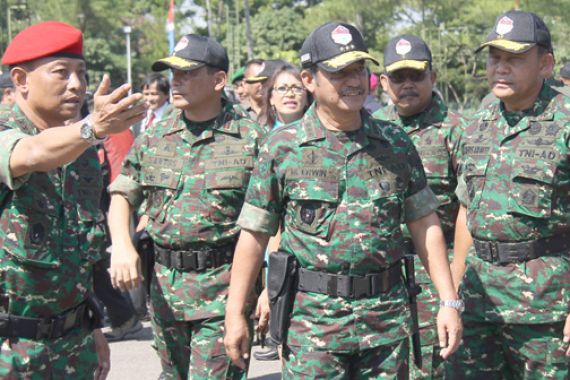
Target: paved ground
(137, 360)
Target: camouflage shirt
(515, 183)
(431, 133)
(193, 177)
(52, 228)
(340, 197)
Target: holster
(281, 289)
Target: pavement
(136, 359)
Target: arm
(57, 146)
(125, 262)
(463, 241)
(430, 245)
(245, 268)
(103, 355)
(566, 337)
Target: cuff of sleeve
(128, 188)
(257, 219)
(8, 141)
(461, 190)
(420, 204)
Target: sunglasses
(282, 90)
(399, 77)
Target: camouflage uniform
(52, 233)
(341, 198)
(430, 131)
(193, 177)
(515, 182)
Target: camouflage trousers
(509, 351)
(70, 357)
(194, 350)
(384, 362)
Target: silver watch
(87, 132)
(458, 305)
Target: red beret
(45, 39)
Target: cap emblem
(341, 35)
(181, 44)
(403, 47)
(504, 26)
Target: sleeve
(263, 201)
(420, 199)
(127, 183)
(8, 140)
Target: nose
(76, 81)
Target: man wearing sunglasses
(340, 182)
(409, 80)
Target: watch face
(87, 132)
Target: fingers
(566, 333)
(125, 277)
(103, 86)
(119, 93)
(233, 350)
(442, 335)
(263, 322)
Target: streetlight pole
(127, 29)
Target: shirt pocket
(474, 174)
(161, 187)
(386, 204)
(33, 237)
(224, 193)
(532, 187)
(313, 206)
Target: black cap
(6, 81)
(565, 71)
(192, 52)
(267, 69)
(406, 52)
(333, 46)
(517, 32)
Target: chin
(502, 93)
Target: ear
(546, 65)
(309, 80)
(20, 79)
(384, 82)
(220, 80)
(433, 77)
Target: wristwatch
(458, 305)
(87, 132)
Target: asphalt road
(135, 359)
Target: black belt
(195, 260)
(520, 251)
(13, 326)
(355, 287)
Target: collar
(543, 108)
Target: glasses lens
(282, 90)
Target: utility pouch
(281, 289)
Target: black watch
(87, 132)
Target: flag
(170, 27)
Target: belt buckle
(203, 260)
(507, 252)
(332, 285)
(44, 329)
(178, 260)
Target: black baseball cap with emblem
(565, 71)
(518, 32)
(334, 46)
(6, 80)
(192, 52)
(267, 69)
(406, 52)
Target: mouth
(291, 104)
(72, 101)
(352, 92)
(408, 95)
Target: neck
(289, 118)
(39, 121)
(339, 121)
(255, 106)
(204, 113)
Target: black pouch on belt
(281, 289)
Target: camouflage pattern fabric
(382, 363)
(193, 177)
(515, 182)
(431, 133)
(70, 357)
(341, 198)
(194, 350)
(52, 232)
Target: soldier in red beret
(51, 226)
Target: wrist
(456, 304)
(88, 133)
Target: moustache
(408, 93)
(352, 91)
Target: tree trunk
(248, 36)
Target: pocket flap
(231, 179)
(314, 190)
(536, 172)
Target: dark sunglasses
(399, 77)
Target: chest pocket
(313, 206)
(160, 178)
(386, 190)
(224, 193)
(435, 159)
(474, 169)
(532, 186)
(33, 234)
